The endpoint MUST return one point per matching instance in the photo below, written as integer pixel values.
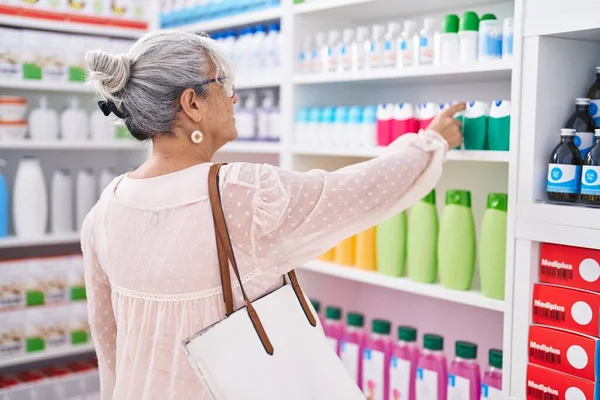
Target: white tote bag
(270, 349)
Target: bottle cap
(433, 342)
(465, 350)
(261, 28)
(394, 28)
(458, 197)
(334, 37)
(488, 17)
(362, 33)
(581, 101)
(355, 319)
(316, 305)
(334, 313)
(274, 27)
(598, 70)
(450, 25)
(378, 31)
(495, 357)
(381, 326)
(348, 35)
(410, 27)
(497, 201)
(469, 22)
(430, 198)
(407, 333)
(321, 36)
(567, 132)
(597, 132)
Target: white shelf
(251, 148)
(567, 235)
(125, 144)
(577, 20)
(45, 86)
(576, 216)
(70, 27)
(257, 82)
(453, 155)
(47, 355)
(482, 70)
(470, 298)
(234, 20)
(47, 240)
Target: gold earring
(197, 136)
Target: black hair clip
(108, 106)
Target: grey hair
(145, 83)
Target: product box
(11, 53)
(77, 278)
(48, 281)
(12, 285)
(571, 353)
(575, 267)
(79, 325)
(547, 384)
(570, 309)
(13, 326)
(48, 328)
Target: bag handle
(226, 255)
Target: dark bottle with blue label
(590, 174)
(564, 169)
(583, 124)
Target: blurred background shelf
(125, 145)
(45, 86)
(47, 240)
(251, 147)
(453, 155)
(47, 355)
(253, 17)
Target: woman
(151, 263)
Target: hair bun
(108, 72)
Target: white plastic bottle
(449, 41)
(85, 194)
(369, 127)
(376, 46)
(259, 50)
(30, 199)
(61, 202)
(345, 50)
(246, 118)
(317, 52)
(301, 127)
(360, 48)
(426, 42)
(331, 54)
(409, 44)
(264, 127)
(507, 37)
(469, 37)
(354, 126)
(490, 38)
(391, 44)
(314, 126)
(305, 57)
(273, 49)
(74, 122)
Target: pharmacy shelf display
(47, 355)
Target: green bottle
(423, 226)
(456, 242)
(475, 125)
(492, 246)
(391, 246)
(499, 126)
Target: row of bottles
(257, 116)
(30, 208)
(386, 369)
(429, 248)
(461, 40)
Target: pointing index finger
(453, 109)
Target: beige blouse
(151, 265)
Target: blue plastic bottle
(3, 204)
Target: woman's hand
(448, 127)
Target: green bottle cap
(430, 198)
(334, 313)
(466, 350)
(356, 320)
(495, 358)
(433, 342)
(497, 201)
(407, 333)
(450, 24)
(458, 197)
(316, 305)
(487, 17)
(382, 326)
(469, 21)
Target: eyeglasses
(231, 91)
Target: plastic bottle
(422, 238)
(317, 306)
(345, 50)
(564, 169)
(360, 48)
(403, 365)
(340, 132)
(263, 116)
(456, 244)
(385, 123)
(313, 124)
(449, 40)
(246, 118)
(491, 385)
(354, 127)
(376, 359)
(305, 56)
(404, 120)
(258, 53)
(326, 122)
(426, 42)
(61, 202)
(391, 246)
(328, 256)
(317, 52)
(345, 252)
(409, 44)
(583, 124)
(507, 37)
(365, 250)
(492, 246)
(353, 345)
(331, 54)
(475, 124)
(394, 31)
(490, 38)
(594, 95)
(498, 131)
(273, 49)
(369, 127)
(3, 203)
(334, 330)
(376, 46)
(427, 113)
(85, 195)
(468, 34)
(432, 370)
(464, 376)
(590, 184)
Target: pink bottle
(385, 122)
(351, 348)
(491, 387)
(333, 327)
(427, 113)
(376, 361)
(464, 377)
(317, 306)
(404, 120)
(432, 370)
(403, 365)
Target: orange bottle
(344, 252)
(365, 250)
(329, 256)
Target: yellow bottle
(365, 250)
(344, 252)
(329, 256)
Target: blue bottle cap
(355, 115)
(370, 115)
(341, 115)
(314, 115)
(327, 115)
(302, 115)
(260, 28)
(274, 27)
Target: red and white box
(546, 384)
(571, 353)
(576, 267)
(570, 309)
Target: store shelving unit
(45, 86)
(453, 155)
(233, 21)
(124, 144)
(47, 355)
(47, 240)
(251, 148)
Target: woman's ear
(190, 104)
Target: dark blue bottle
(564, 169)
